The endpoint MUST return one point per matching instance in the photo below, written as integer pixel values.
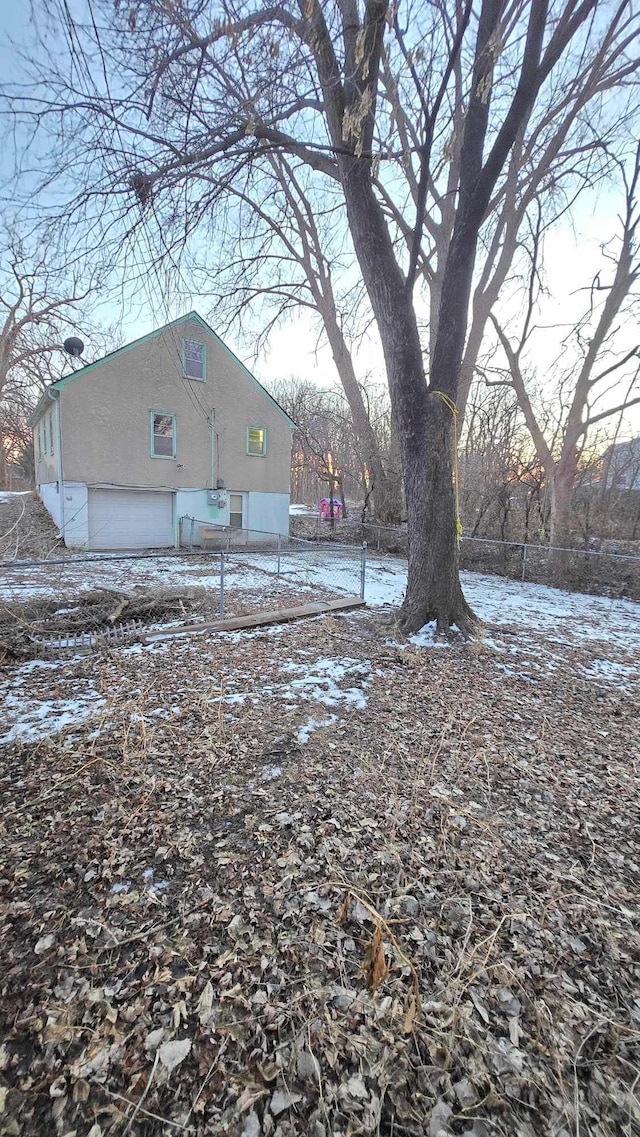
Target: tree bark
(561, 487)
(433, 585)
(424, 423)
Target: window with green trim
(194, 359)
(51, 432)
(163, 435)
(256, 441)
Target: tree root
(414, 617)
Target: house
(169, 428)
(621, 466)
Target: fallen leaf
(44, 943)
(252, 1127)
(205, 1002)
(410, 1014)
(356, 1088)
(173, 1053)
(281, 1100)
(249, 1096)
(375, 966)
(343, 914)
(439, 1120)
(308, 1066)
(153, 1040)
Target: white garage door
(130, 519)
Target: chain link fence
(327, 569)
(601, 571)
(92, 601)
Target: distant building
(621, 466)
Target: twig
(144, 1092)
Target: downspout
(55, 398)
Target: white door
(130, 519)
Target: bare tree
(313, 75)
(279, 257)
(559, 152)
(599, 364)
(325, 451)
(40, 306)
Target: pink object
(324, 509)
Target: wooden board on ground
(260, 619)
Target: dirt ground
(315, 880)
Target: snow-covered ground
(496, 600)
(531, 632)
(303, 511)
(336, 568)
(7, 496)
(569, 616)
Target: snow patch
(314, 724)
(34, 719)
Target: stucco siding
(269, 512)
(106, 421)
(46, 445)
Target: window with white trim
(194, 358)
(235, 510)
(256, 441)
(163, 435)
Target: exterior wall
(46, 445)
(263, 512)
(76, 516)
(68, 500)
(193, 503)
(52, 500)
(106, 420)
(269, 512)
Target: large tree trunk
(561, 492)
(433, 587)
(424, 423)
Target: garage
(130, 519)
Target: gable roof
(193, 317)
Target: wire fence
(328, 568)
(602, 571)
(60, 605)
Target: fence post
(363, 568)
(191, 533)
(222, 586)
(524, 561)
(279, 548)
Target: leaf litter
(418, 918)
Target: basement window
(256, 441)
(194, 360)
(163, 435)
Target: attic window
(163, 435)
(194, 358)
